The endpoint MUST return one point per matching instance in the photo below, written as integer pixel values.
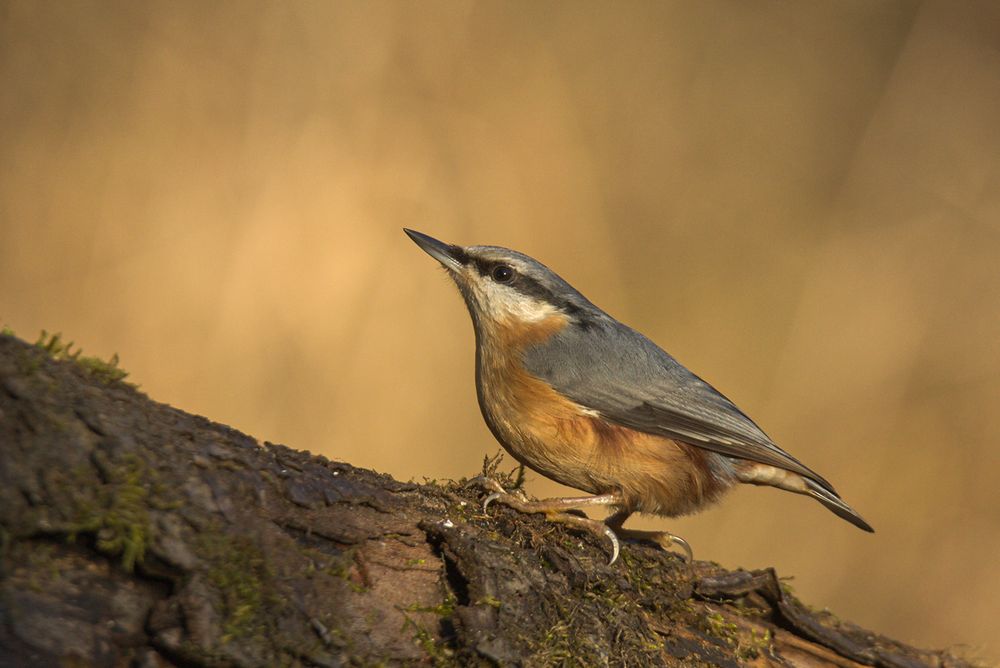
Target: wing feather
(616, 371)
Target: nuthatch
(591, 403)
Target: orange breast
(573, 445)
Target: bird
(585, 400)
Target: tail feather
(763, 474)
(836, 505)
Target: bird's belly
(528, 418)
(577, 447)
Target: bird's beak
(452, 257)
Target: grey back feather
(610, 368)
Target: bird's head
(504, 287)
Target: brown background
(801, 201)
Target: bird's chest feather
(536, 424)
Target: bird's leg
(664, 539)
(555, 510)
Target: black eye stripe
(459, 254)
(487, 267)
(484, 267)
(525, 284)
(532, 288)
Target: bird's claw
(490, 499)
(615, 546)
(595, 527)
(663, 539)
(671, 539)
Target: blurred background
(800, 201)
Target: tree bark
(132, 533)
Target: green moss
(717, 625)
(118, 514)
(240, 573)
(106, 372)
(444, 609)
(510, 481)
(758, 643)
(7, 331)
(746, 644)
(335, 566)
(438, 652)
(561, 646)
(491, 601)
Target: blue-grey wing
(616, 371)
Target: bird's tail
(763, 474)
(836, 505)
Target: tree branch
(134, 532)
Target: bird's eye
(502, 273)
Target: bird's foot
(556, 510)
(493, 486)
(664, 539)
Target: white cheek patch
(505, 302)
(521, 307)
